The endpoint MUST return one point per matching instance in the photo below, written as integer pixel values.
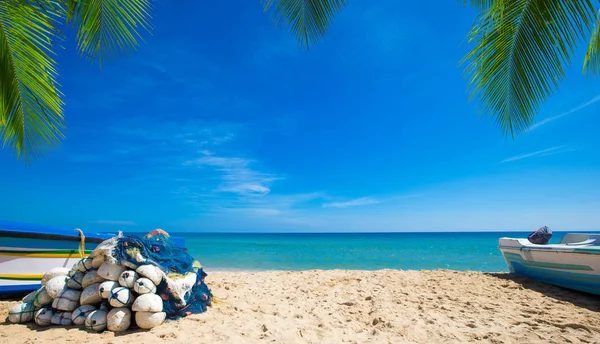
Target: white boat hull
(573, 265)
(27, 252)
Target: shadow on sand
(580, 299)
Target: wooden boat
(573, 263)
(27, 251)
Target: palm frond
(30, 103)
(309, 20)
(591, 64)
(108, 28)
(520, 53)
(480, 4)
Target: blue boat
(27, 251)
(574, 263)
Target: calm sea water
(364, 251)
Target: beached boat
(573, 263)
(27, 251)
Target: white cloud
(351, 203)
(554, 118)
(543, 152)
(116, 223)
(237, 176)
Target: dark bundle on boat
(540, 236)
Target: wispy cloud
(554, 118)
(237, 176)
(116, 223)
(351, 203)
(543, 152)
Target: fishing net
(181, 287)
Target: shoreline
(353, 306)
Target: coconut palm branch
(309, 20)
(31, 118)
(591, 64)
(521, 50)
(31, 108)
(108, 28)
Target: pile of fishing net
(125, 280)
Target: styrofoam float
(118, 319)
(81, 313)
(90, 295)
(43, 316)
(90, 278)
(147, 320)
(96, 320)
(54, 273)
(106, 288)
(147, 303)
(20, 313)
(67, 300)
(128, 278)
(55, 285)
(121, 297)
(110, 271)
(144, 286)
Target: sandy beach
(338, 306)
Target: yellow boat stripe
(21, 277)
(44, 254)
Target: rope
(81, 243)
(115, 296)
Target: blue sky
(221, 123)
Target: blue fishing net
(158, 250)
(161, 251)
(196, 301)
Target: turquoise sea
(362, 251)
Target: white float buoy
(147, 303)
(128, 278)
(62, 318)
(21, 313)
(96, 320)
(121, 297)
(130, 265)
(151, 272)
(43, 316)
(110, 271)
(118, 319)
(106, 288)
(90, 295)
(54, 273)
(97, 261)
(67, 300)
(144, 286)
(84, 264)
(41, 298)
(75, 282)
(90, 278)
(29, 297)
(79, 314)
(55, 285)
(147, 320)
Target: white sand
(386, 306)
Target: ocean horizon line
(397, 232)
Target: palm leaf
(309, 20)
(480, 4)
(591, 64)
(30, 104)
(108, 28)
(520, 53)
